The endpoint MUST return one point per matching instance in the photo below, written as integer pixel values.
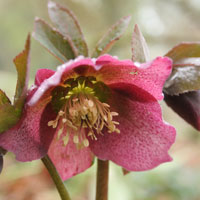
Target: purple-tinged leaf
(140, 51)
(68, 26)
(184, 50)
(187, 105)
(185, 75)
(3, 98)
(183, 79)
(60, 46)
(22, 66)
(191, 61)
(10, 114)
(113, 34)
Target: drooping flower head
(103, 107)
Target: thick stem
(56, 178)
(102, 180)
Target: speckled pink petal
(69, 160)
(29, 139)
(149, 76)
(42, 74)
(144, 140)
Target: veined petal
(149, 76)
(29, 139)
(144, 139)
(69, 160)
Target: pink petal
(144, 140)
(29, 139)
(149, 76)
(42, 74)
(69, 160)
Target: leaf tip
(140, 51)
(127, 19)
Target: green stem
(102, 180)
(56, 178)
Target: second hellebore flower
(103, 107)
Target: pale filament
(84, 113)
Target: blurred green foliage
(164, 24)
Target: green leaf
(184, 50)
(68, 26)
(183, 79)
(22, 66)
(3, 98)
(113, 34)
(9, 116)
(60, 46)
(140, 51)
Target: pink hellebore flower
(103, 107)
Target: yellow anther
(50, 123)
(76, 139)
(105, 118)
(65, 139)
(117, 130)
(106, 105)
(73, 112)
(90, 133)
(109, 117)
(114, 113)
(90, 103)
(86, 142)
(61, 113)
(75, 99)
(64, 120)
(53, 123)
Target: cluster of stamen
(83, 110)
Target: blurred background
(164, 24)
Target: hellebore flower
(103, 107)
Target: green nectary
(87, 85)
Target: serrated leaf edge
(67, 38)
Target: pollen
(83, 115)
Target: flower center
(80, 105)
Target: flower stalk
(56, 178)
(102, 180)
